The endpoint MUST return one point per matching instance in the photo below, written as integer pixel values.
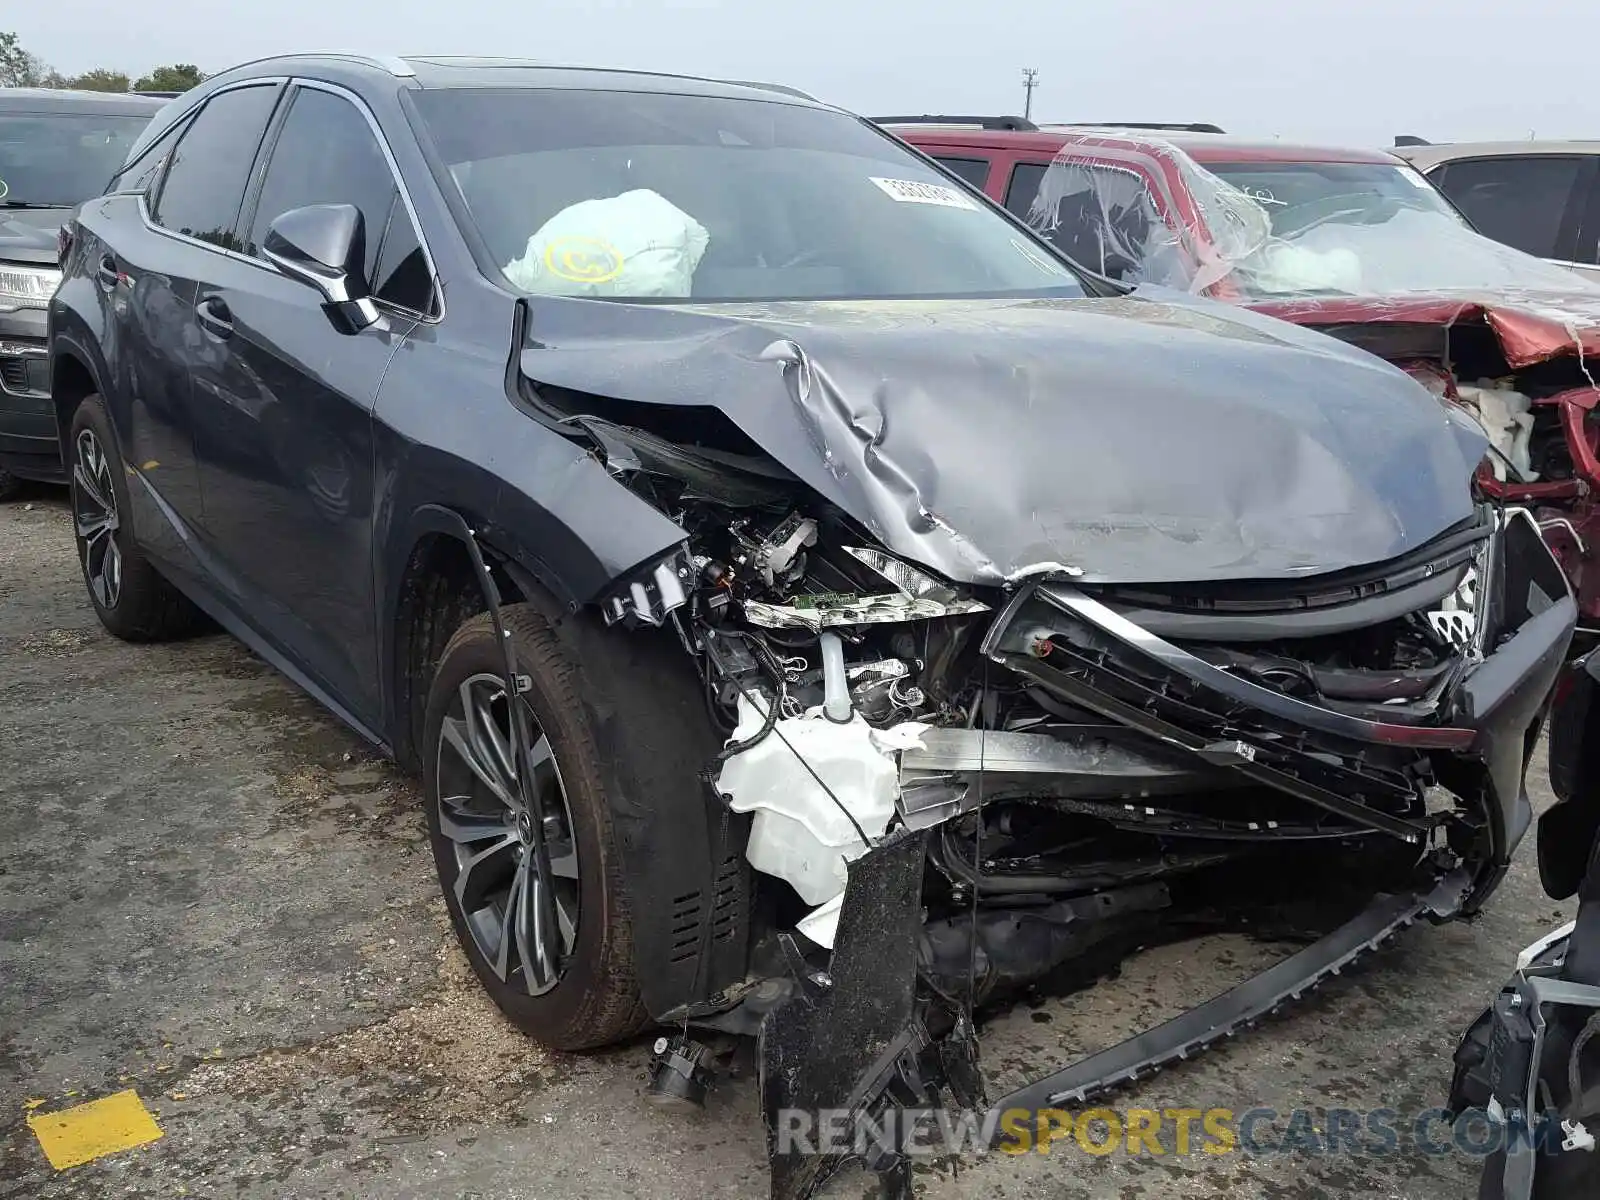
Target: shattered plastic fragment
(822, 922)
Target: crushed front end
(955, 794)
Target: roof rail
(781, 88)
(1411, 139)
(1176, 126)
(391, 63)
(154, 95)
(1017, 123)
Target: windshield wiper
(30, 204)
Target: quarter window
(205, 184)
(142, 172)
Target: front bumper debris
(886, 1027)
(857, 1039)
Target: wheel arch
(683, 852)
(74, 377)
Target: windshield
(632, 195)
(57, 160)
(1370, 229)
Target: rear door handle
(107, 273)
(214, 317)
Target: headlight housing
(27, 286)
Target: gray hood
(1132, 440)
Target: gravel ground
(213, 893)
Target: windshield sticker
(583, 259)
(4, 190)
(912, 191)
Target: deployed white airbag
(635, 244)
(799, 833)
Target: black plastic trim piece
(1240, 755)
(1239, 1007)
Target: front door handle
(107, 273)
(214, 317)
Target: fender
(72, 337)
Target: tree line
(18, 68)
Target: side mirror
(325, 247)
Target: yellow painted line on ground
(73, 1136)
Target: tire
(594, 1000)
(129, 595)
(10, 486)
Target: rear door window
(204, 186)
(1531, 202)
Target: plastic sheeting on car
(1095, 202)
(1152, 214)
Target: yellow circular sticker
(583, 259)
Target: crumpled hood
(29, 234)
(1158, 439)
(1532, 325)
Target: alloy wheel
(96, 520)
(504, 898)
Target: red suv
(1354, 242)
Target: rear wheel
(554, 949)
(129, 595)
(10, 486)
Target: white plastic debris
(800, 833)
(635, 244)
(821, 924)
(1507, 418)
(1577, 1136)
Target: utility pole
(1030, 80)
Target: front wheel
(10, 486)
(554, 949)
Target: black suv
(57, 148)
(811, 606)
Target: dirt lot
(212, 893)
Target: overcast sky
(1353, 71)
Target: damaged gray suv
(815, 611)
